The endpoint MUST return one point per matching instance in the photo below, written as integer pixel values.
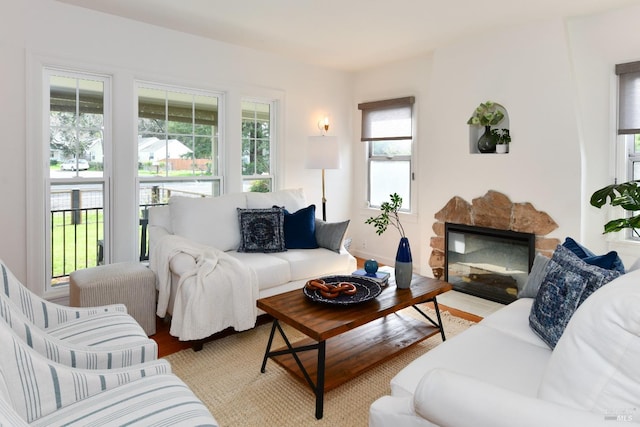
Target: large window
(387, 128)
(256, 146)
(77, 192)
(178, 143)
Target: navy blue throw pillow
(610, 261)
(300, 229)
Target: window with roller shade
(387, 129)
(629, 120)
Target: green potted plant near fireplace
(389, 216)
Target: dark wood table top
(322, 321)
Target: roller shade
(387, 120)
(628, 98)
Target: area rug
(226, 376)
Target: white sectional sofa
(500, 373)
(214, 222)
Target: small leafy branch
(625, 195)
(388, 216)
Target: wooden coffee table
(349, 340)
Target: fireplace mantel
(493, 210)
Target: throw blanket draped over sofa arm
(219, 292)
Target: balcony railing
(77, 237)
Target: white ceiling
(345, 34)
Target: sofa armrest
(449, 399)
(395, 411)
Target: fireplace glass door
(488, 263)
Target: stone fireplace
(494, 210)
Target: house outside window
(178, 143)
(387, 128)
(257, 146)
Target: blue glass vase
(404, 264)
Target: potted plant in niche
(627, 196)
(503, 138)
(389, 215)
(487, 114)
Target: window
(256, 146)
(387, 127)
(77, 192)
(629, 120)
(178, 147)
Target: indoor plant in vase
(487, 114)
(389, 215)
(503, 138)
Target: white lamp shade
(323, 152)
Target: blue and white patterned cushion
(41, 312)
(261, 230)
(39, 387)
(104, 340)
(567, 283)
(161, 400)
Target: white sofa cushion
(483, 353)
(307, 263)
(450, 399)
(514, 320)
(271, 270)
(291, 199)
(212, 221)
(595, 365)
(160, 216)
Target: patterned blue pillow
(567, 283)
(610, 260)
(261, 230)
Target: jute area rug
(226, 376)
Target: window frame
(271, 176)
(388, 105)
(627, 130)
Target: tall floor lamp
(323, 153)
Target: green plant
(501, 136)
(388, 216)
(486, 114)
(627, 196)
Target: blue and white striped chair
(91, 338)
(36, 391)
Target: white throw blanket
(219, 292)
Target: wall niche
(476, 131)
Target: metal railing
(78, 239)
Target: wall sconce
(323, 124)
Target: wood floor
(168, 344)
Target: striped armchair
(36, 391)
(103, 337)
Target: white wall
(528, 71)
(49, 32)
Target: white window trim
(39, 265)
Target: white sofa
(500, 373)
(214, 222)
